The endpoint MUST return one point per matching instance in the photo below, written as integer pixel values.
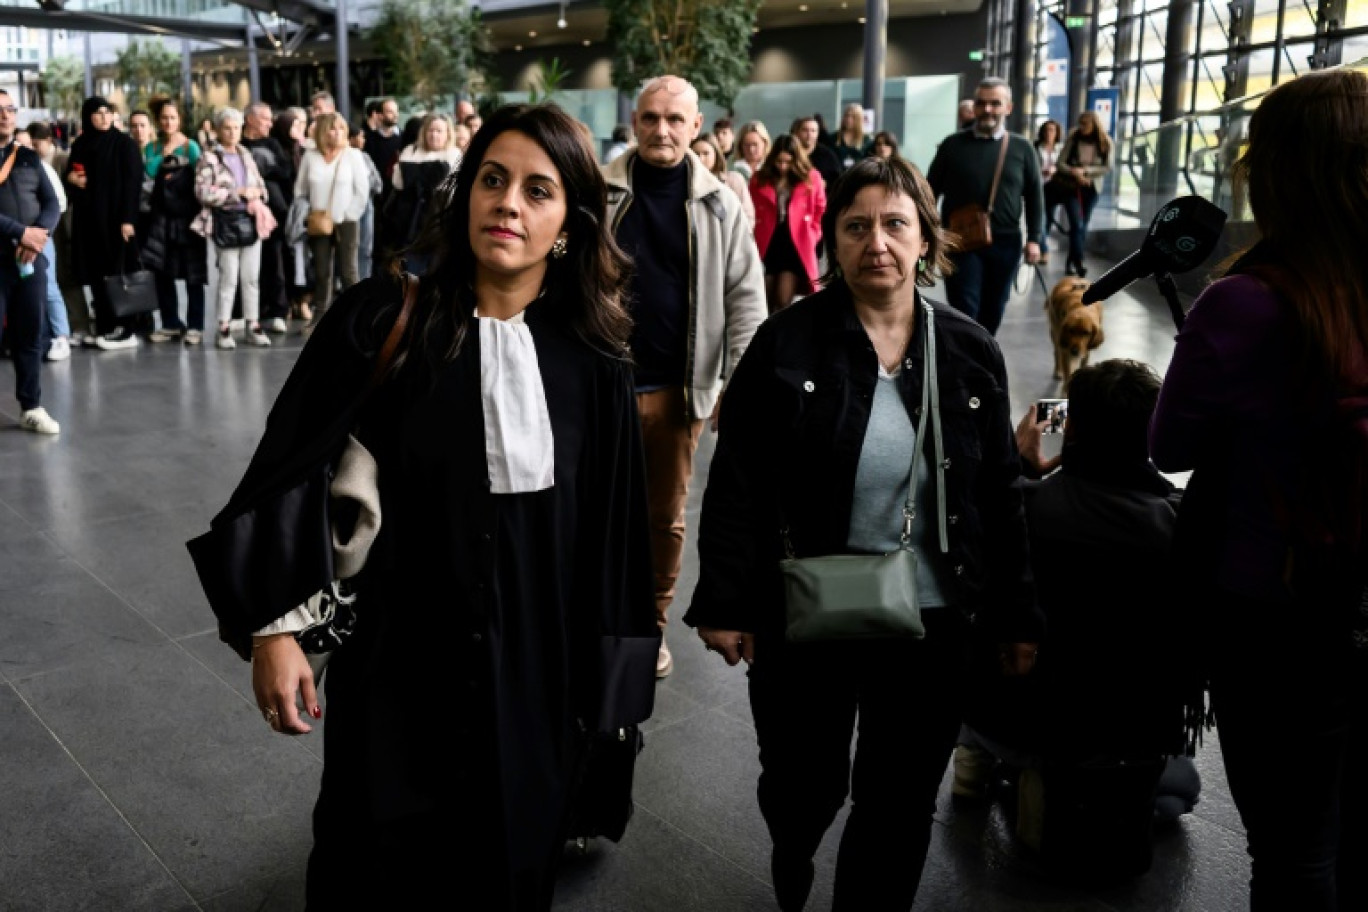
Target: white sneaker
(224, 340)
(277, 326)
(58, 350)
(39, 421)
(118, 340)
(258, 338)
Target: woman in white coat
(334, 179)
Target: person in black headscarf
(288, 131)
(104, 180)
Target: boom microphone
(1181, 237)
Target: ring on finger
(270, 715)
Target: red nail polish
(316, 712)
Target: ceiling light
(587, 42)
(862, 20)
(802, 7)
(844, 4)
(560, 23)
(756, 30)
(531, 34)
(518, 48)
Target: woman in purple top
(230, 187)
(1267, 400)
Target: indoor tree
(704, 41)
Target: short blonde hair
(322, 131)
(756, 127)
(423, 131)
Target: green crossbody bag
(869, 596)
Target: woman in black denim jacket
(796, 450)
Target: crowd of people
(529, 393)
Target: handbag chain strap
(930, 408)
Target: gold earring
(560, 248)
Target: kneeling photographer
(1094, 725)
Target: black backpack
(173, 191)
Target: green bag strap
(930, 407)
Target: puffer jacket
(792, 428)
(215, 185)
(727, 300)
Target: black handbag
(131, 293)
(602, 802)
(234, 228)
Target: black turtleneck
(654, 231)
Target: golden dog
(1075, 328)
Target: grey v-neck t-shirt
(881, 491)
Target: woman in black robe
(104, 181)
(506, 610)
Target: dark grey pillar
(343, 92)
(625, 105)
(187, 83)
(1022, 76)
(253, 65)
(1329, 51)
(1080, 57)
(875, 52)
(1177, 68)
(90, 67)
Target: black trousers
(275, 301)
(23, 313)
(1291, 702)
(907, 695)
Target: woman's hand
(249, 193)
(77, 179)
(1017, 658)
(127, 231)
(279, 672)
(1029, 436)
(732, 645)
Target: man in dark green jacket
(962, 174)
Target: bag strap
(396, 333)
(9, 162)
(930, 409)
(997, 173)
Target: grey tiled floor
(135, 773)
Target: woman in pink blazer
(789, 198)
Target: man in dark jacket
(963, 174)
(29, 211)
(1105, 707)
(277, 170)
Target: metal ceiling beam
(73, 21)
(307, 12)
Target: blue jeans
(982, 280)
(57, 323)
(1078, 209)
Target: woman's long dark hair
(799, 168)
(588, 281)
(1307, 172)
(280, 129)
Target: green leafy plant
(549, 80)
(435, 48)
(704, 41)
(64, 85)
(144, 68)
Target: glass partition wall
(1188, 74)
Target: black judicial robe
(493, 630)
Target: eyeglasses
(8, 109)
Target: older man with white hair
(697, 295)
